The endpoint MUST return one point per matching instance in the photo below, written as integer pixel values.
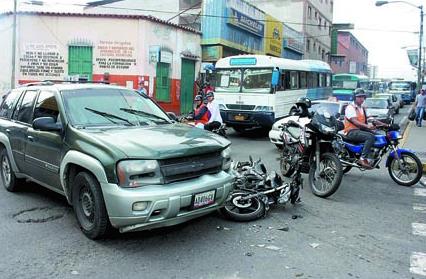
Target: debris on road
(221, 228)
(249, 254)
(314, 245)
(296, 216)
(299, 274)
(284, 228)
(272, 247)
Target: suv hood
(157, 142)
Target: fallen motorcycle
(255, 190)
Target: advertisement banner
(245, 22)
(273, 36)
(413, 56)
(293, 40)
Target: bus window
(228, 80)
(302, 79)
(294, 80)
(328, 80)
(312, 80)
(258, 80)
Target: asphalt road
(363, 231)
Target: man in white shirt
(215, 120)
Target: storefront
(236, 27)
(293, 44)
(132, 51)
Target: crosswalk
(418, 259)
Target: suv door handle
(30, 138)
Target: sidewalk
(415, 139)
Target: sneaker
(364, 163)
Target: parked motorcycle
(255, 190)
(313, 143)
(400, 162)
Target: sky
(385, 31)
(376, 28)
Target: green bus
(345, 84)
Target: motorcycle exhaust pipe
(349, 164)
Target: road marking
(418, 263)
(420, 192)
(419, 229)
(419, 207)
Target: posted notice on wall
(115, 55)
(38, 61)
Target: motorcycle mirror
(251, 159)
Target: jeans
(365, 137)
(419, 115)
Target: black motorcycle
(255, 190)
(313, 143)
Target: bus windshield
(243, 80)
(399, 86)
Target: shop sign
(246, 23)
(154, 54)
(212, 53)
(166, 57)
(293, 40)
(273, 37)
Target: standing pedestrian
(420, 105)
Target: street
(363, 231)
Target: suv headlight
(226, 155)
(136, 173)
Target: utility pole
(13, 78)
(420, 77)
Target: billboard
(273, 36)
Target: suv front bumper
(168, 204)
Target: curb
(405, 125)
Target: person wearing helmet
(215, 120)
(302, 107)
(356, 127)
(201, 112)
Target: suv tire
(89, 206)
(8, 178)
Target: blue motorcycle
(403, 165)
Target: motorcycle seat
(349, 140)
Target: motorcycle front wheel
(410, 174)
(325, 181)
(287, 166)
(241, 210)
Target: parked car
(114, 154)
(379, 108)
(334, 108)
(392, 99)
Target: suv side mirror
(46, 124)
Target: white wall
(6, 52)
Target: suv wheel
(89, 206)
(8, 178)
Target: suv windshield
(110, 106)
(243, 80)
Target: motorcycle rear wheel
(243, 211)
(331, 174)
(414, 165)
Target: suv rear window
(8, 103)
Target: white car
(334, 108)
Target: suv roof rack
(52, 82)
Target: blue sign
(246, 23)
(243, 61)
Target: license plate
(239, 117)
(203, 199)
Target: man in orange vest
(356, 127)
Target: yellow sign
(273, 36)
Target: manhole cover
(40, 214)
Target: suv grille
(240, 107)
(176, 169)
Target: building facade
(355, 55)
(312, 18)
(130, 50)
